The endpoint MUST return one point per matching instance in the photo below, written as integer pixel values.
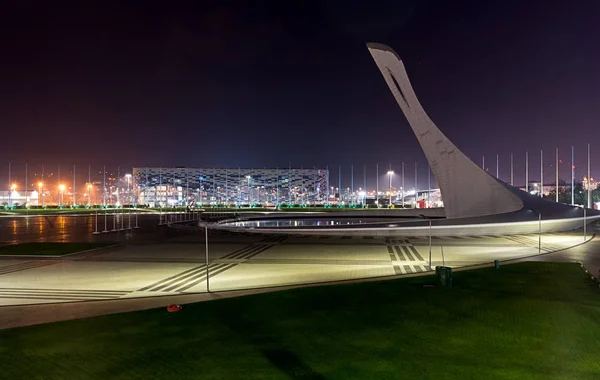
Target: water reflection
(67, 228)
(307, 222)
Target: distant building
(534, 188)
(178, 186)
(17, 198)
(593, 185)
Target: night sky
(263, 84)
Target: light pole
(390, 173)
(403, 187)
(540, 233)
(104, 191)
(96, 232)
(9, 185)
(512, 182)
(206, 252)
(572, 175)
(539, 229)
(13, 188)
(249, 191)
(74, 189)
(377, 186)
(556, 186)
(41, 193)
(26, 187)
(589, 188)
(128, 198)
(89, 186)
(584, 224)
(416, 186)
(527, 172)
(541, 173)
(429, 219)
(61, 193)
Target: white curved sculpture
(467, 190)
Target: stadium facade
(158, 187)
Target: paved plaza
(178, 267)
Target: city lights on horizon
(124, 187)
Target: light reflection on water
(302, 223)
(67, 228)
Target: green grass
(522, 321)
(49, 249)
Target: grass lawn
(50, 249)
(522, 321)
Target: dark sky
(263, 84)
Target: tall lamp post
(390, 173)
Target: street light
(390, 173)
(89, 188)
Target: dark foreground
(522, 321)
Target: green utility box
(444, 276)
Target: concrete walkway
(24, 315)
(588, 254)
